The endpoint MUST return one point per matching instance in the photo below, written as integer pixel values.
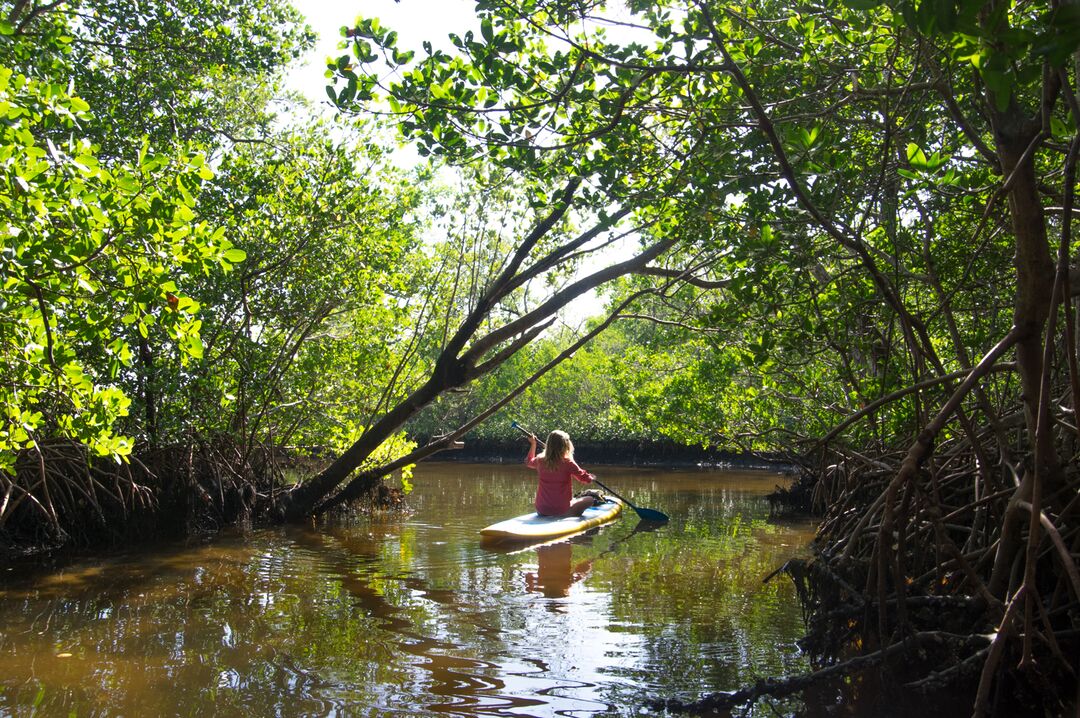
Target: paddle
(646, 514)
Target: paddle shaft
(526, 432)
(620, 498)
(647, 514)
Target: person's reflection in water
(556, 571)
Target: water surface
(413, 616)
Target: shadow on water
(393, 616)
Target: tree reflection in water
(411, 616)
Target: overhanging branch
(685, 277)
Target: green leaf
(194, 347)
(1000, 85)
(915, 156)
(234, 255)
(128, 184)
(863, 4)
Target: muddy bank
(622, 453)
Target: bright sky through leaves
(414, 20)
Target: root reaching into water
(944, 587)
(915, 645)
(60, 497)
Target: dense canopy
(837, 231)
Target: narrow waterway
(413, 616)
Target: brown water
(412, 616)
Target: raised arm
(530, 459)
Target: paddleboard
(534, 527)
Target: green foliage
(152, 298)
(88, 251)
(1005, 44)
(396, 446)
(827, 298)
(543, 110)
(174, 71)
(298, 337)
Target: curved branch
(564, 297)
(900, 394)
(923, 446)
(1067, 561)
(685, 277)
(670, 323)
(32, 15)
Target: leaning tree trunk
(466, 356)
(301, 501)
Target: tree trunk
(1016, 137)
(149, 392)
(300, 502)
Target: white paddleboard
(534, 527)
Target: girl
(556, 466)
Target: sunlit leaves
(517, 98)
(174, 70)
(298, 336)
(1005, 44)
(88, 251)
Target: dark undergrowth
(934, 597)
(62, 500)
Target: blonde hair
(557, 448)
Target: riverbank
(658, 454)
(199, 487)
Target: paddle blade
(647, 514)
(651, 514)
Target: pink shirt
(555, 490)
